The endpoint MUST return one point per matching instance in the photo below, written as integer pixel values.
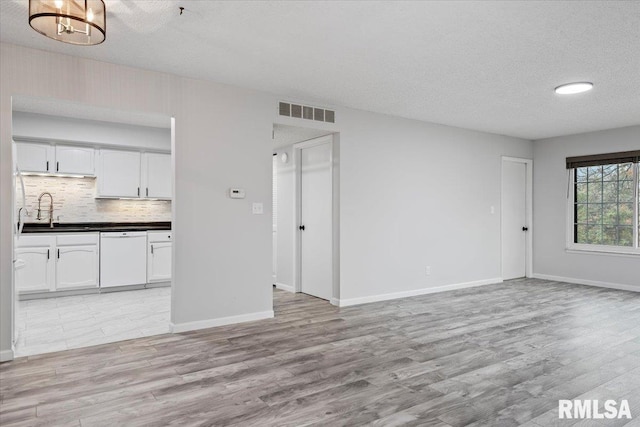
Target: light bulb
(90, 15)
(59, 3)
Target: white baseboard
(334, 301)
(284, 287)
(212, 323)
(6, 355)
(599, 284)
(415, 292)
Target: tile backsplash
(73, 201)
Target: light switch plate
(236, 193)
(258, 208)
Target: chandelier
(80, 22)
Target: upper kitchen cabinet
(156, 175)
(118, 173)
(61, 159)
(33, 157)
(75, 160)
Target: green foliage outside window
(604, 205)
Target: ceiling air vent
(285, 109)
(305, 112)
(296, 111)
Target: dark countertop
(82, 227)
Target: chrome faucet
(39, 217)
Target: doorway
(65, 292)
(305, 211)
(516, 218)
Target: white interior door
(316, 221)
(274, 218)
(514, 219)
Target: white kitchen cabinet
(77, 261)
(57, 262)
(118, 173)
(63, 159)
(32, 157)
(75, 160)
(38, 273)
(159, 251)
(156, 175)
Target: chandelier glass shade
(79, 22)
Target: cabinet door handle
(151, 249)
(48, 255)
(57, 166)
(138, 191)
(147, 191)
(47, 165)
(58, 253)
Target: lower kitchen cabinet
(159, 252)
(57, 262)
(38, 273)
(77, 267)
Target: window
(604, 199)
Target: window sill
(604, 250)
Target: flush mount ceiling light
(573, 88)
(80, 22)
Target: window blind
(603, 159)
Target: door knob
(525, 228)
(301, 227)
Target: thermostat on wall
(236, 193)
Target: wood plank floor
(496, 355)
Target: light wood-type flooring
(496, 355)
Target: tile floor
(54, 324)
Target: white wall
(414, 195)
(50, 128)
(223, 139)
(550, 211)
(286, 233)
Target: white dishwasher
(123, 258)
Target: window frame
(571, 246)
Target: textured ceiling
(485, 65)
